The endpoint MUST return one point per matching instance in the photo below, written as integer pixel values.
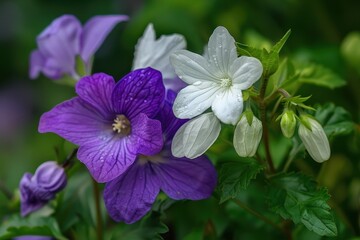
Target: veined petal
(183, 178)
(192, 68)
(74, 120)
(228, 105)
(221, 50)
(148, 133)
(129, 197)
(140, 91)
(60, 41)
(195, 99)
(95, 31)
(96, 90)
(156, 53)
(196, 136)
(108, 156)
(245, 71)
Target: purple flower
(38, 189)
(28, 237)
(111, 123)
(64, 39)
(129, 197)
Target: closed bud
(36, 190)
(288, 123)
(247, 136)
(314, 138)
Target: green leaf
(246, 50)
(319, 75)
(295, 196)
(236, 175)
(335, 120)
(278, 46)
(285, 72)
(32, 225)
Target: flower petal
(129, 197)
(196, 136)
(195, 99)
(245, 71)
(156, 53)
(192, 68)
(108, 156)
(95, 31)
(76, 121)
(140, 91)
(228, 105)
(96, 90)
(221, 50)
(148, 134)
(37, 62)
(183, 178)
(60, 42)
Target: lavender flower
(129, 197)
(36, 190)
(64, 39)
(111, 123)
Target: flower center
(121, 125)
(226, 82)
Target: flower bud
(247, 136)
(36, 190)
(314, 138)
(288, 123)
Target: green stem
(5, 191)
(291, 157)
(99, 226)
(262, 105)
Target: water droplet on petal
(197, 83)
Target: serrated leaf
(319, 75)
(235, 176)
(278, 46)
(32, 225)
(335, 120)
(295, 196)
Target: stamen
(121, 125)
(226, 82)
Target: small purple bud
(36, 190)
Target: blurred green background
(319, 28)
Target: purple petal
(148, 133)
(95, 31)
(96, 90)
(129, 197)
(60, 42)
(36, 64)
(170, 124)
(109, 156)
(183, 178)
(140, 91)
(76, 121)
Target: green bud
(314, 138)
(247, 136)
(288, 123)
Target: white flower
(247, 136)
(314, 138)
(216, 80)
(150, 52)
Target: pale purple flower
(129, 197)
(111, 123)
(32, 237)
(65, 39)
(38, 189)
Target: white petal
(228, 105)
(221, 50)
(156, 53)
(195, 99)
(196, 136)
(245, 71)
(191, 67)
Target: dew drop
(197, 83)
